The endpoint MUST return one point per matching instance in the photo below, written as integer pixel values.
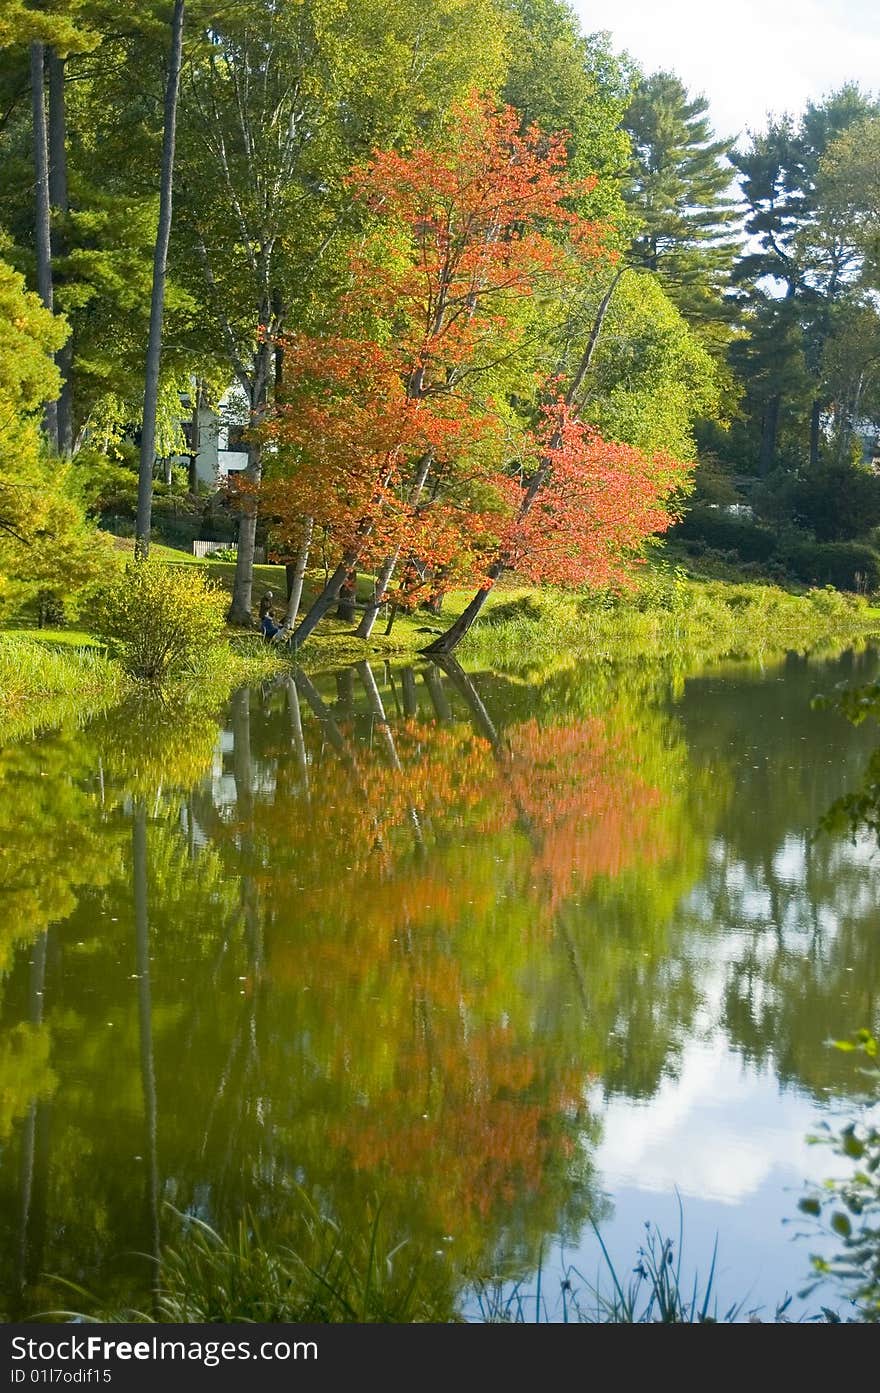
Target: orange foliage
(384, 430)
(597, 503)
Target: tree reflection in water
(385, 933)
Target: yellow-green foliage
(43, 686)
(25, 1073)
(45, 541)
(651, 375)
(667, 617)
(160, 619)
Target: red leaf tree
(390, 442)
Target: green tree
(805, 253)
(651, 375)
(679, 189)
(563, 80)
(45, 540)
(849, 182)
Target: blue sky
(749, 58)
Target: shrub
(838, 502)
(161, 619)
(846, 565)
(723, 533)
(223, 554)
(105, 486)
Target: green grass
(42, 683)
(55, 638)
(665, 619)
(671, 616)
(323, 1274)
(48, 678)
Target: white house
(215, 437)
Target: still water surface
(506, 953)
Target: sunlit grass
(42, 684)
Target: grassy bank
(670, 616)
(695, 621)
(47, 679)
(671, 613)
(688, 620)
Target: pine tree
(802, 252)
(679, 188)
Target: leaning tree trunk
(42, 221)
(325, 601)
(59, 200)
(365, 628)
(449, 641)
(383, 579)
(298, 576)
(157, 301)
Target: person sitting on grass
(268, 628)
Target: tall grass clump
(325, 1275)
(41, 685)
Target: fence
(201, 548)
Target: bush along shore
(157, 631)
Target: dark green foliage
(679, 189)
(845, 565)
(801, 265)
(838, 502)
(722, 532)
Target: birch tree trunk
(299, 572)
(383, 579)
(240, 611)
(157, 300)
(192, 482)
(325, 601)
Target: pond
(501, 954)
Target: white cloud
(720, 1132)
(759, 57)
